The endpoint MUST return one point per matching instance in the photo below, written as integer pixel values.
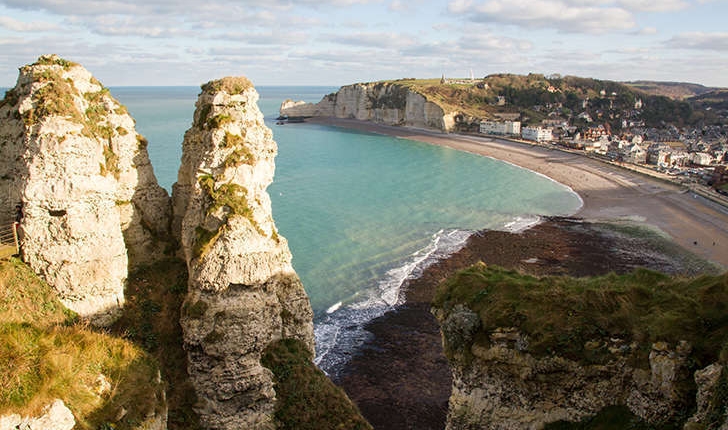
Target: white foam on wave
(341, 330)
(334, 308)
(520, 224)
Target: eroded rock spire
(243, 292)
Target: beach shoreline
(400, 378)
(608, 192)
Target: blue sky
(337, 42)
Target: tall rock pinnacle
(92, 205)
(243, 292)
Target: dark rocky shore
(400, 378)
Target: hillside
(673, 90)
(536, 97)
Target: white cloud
(699, 41)
(368, 39)
(35, 26)
(564, 16)
(653, 5)
(647, 31)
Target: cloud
(368, 39)
(565, 16)
(35, 26)
(647, 31)
(653, 6)
(699, 41)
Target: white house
(501, 128)
(701, 158)
(537, 134)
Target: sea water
(362, 212)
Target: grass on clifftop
(561, 314)
(307, 399)
(230, 85)
(45, 354)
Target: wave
(341, 330)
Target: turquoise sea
(361, 212)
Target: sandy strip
(609, 193)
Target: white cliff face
(383, 103)
(91, 201)
(243, 292)
(503, 386)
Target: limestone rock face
(243, 292)
(91, 202)
(55, 416)
(503, 386)
(384, 103)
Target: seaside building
(701, 158)
(537, 134)
(634, 154)
(510, 128)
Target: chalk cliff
(507, 378)
(93, 208)
(243, 292)
(381, 102)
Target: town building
(503, 128)
(701, 158)
(537, 134)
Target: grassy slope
(561, 314)
(45, 354)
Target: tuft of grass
(54, 60)
(560, 314)
(111, 162)
(241, 153)
(47, 355)
(230, 85)
(203, 241)
(307, 399)
(232, 196)
(53, 98)
(219, 120)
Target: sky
(339, 42)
